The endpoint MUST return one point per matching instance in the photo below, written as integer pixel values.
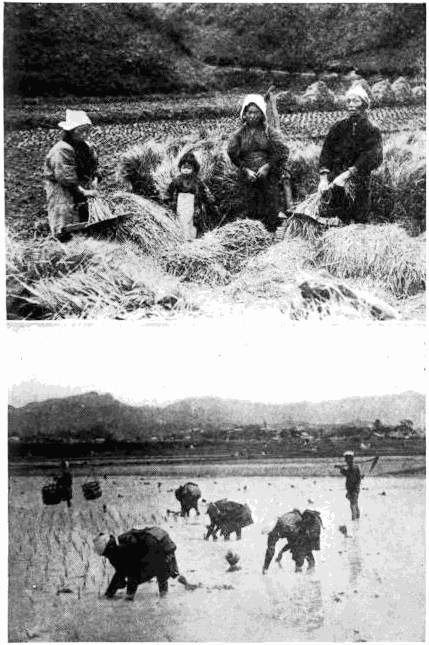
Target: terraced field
(25, 150)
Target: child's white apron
(185, 213)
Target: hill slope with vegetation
(128, 48)
(90, 416)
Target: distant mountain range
(93, 415)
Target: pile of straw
(150, 226)
(212, 258)
(86, 279)
(303, 164)
(317, 95)
(385, 253)
(283, 278)
(99, 210)
(399, 185)
(303, 225)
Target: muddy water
(369, 586)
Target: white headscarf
(258, 100)
(360, 92)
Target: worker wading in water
(64, 483)
(137, 557)
(353, 479)
(302, 531)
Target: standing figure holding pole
(353, 479)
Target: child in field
(190, 198)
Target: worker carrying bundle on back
(351, 151)
(191, 199)
(302, 531)
(138, 556)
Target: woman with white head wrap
(70, 173)
(351, 151)
(260, 153)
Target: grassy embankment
(413, 466)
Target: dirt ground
(367, 587)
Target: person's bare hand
(263, 171)
(323, 184)
(90, 192)
(251, 175)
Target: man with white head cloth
(351, 151)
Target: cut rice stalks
(383, 252)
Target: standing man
(353, 479)
(351, 151)
(64, 482)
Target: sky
(160, 363)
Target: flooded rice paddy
(369, 586)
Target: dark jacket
(253, 147)
(352, 142)
(353, 478)
(139, 556)
(65, 483)
(195, 186)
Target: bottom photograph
(210, 484)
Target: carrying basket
(91, 490)
(51, 494)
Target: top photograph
(167, 162)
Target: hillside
(89, 416)
(111, 49)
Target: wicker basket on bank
(91, 490)
(51, 494)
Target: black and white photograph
(216, 492)
(214, 322)
(185, 160)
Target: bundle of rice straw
(147, 224)
(240, 241)
(136, 166)
(31, 260)
(99, 210)
(307, 220)
(205, 153)
(111, 281)
(399, 185)
(304, 226)
(282, 278)
(212, 258)
(383, 252)
(303, 165)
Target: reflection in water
(355, 559)
(302, 607)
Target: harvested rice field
(369, 586)
(371, 272)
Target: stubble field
(368, 587)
